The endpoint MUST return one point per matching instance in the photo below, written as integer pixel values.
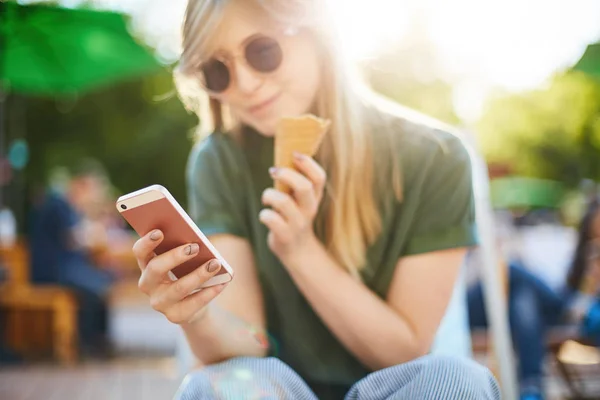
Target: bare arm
(380, 333)
(218, 323)
(234, 322)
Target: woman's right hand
(172, 298)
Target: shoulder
(58, 210)
(418, 142)
(212, 148)
(56, 202)
(434, 148)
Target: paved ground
(123, 379)
(146, 368)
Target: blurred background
(89, 112)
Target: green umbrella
(590, 61)
(50, 50)
(520, 192)
(53, 51)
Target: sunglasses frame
(230, 60)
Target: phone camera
(123, 207)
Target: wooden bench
(23, 301)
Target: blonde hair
(350, 218)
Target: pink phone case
(163, 212)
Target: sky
(483, 44)
(513, 45)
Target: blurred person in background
(351, 273)
(583, 281)
(538, 303)
(61, 249)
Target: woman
(535, 307)
(583, 281)
(584, 274)
(352, 272)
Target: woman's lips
(262, 106)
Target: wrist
(302, 253)
(200, 317)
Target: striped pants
(430, 377)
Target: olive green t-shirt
(227, 177)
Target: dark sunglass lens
(216, 75)
(264, 54)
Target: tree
(138, 130)
(139, 137)
(552, 132)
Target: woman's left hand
(290, 218)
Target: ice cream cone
(297, 134)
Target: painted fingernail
(191, 249)
(263, 215)
(155, 235)
(298, 156)
(273, 171)
(213, 265)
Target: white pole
(495, 303)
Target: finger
(310, 168)
(302, 188)
(275, 223)
(156, 270)
(284, 204)
(181, 288)
(143, 248)
(184, 310)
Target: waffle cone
(297, 134)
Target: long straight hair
(580, 263)
(349, 219)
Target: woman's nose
(247, 80)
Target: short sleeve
(445, 215)
(215, 188)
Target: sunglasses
(262, 54)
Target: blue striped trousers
(430, 377)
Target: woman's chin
(265, 128)
(267, 125)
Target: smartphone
(155, 208)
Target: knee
(215, 380)
(453, 377)
(430, 377)
(444, 365)
(243, 377)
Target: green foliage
(552, 132)
(138, 136)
